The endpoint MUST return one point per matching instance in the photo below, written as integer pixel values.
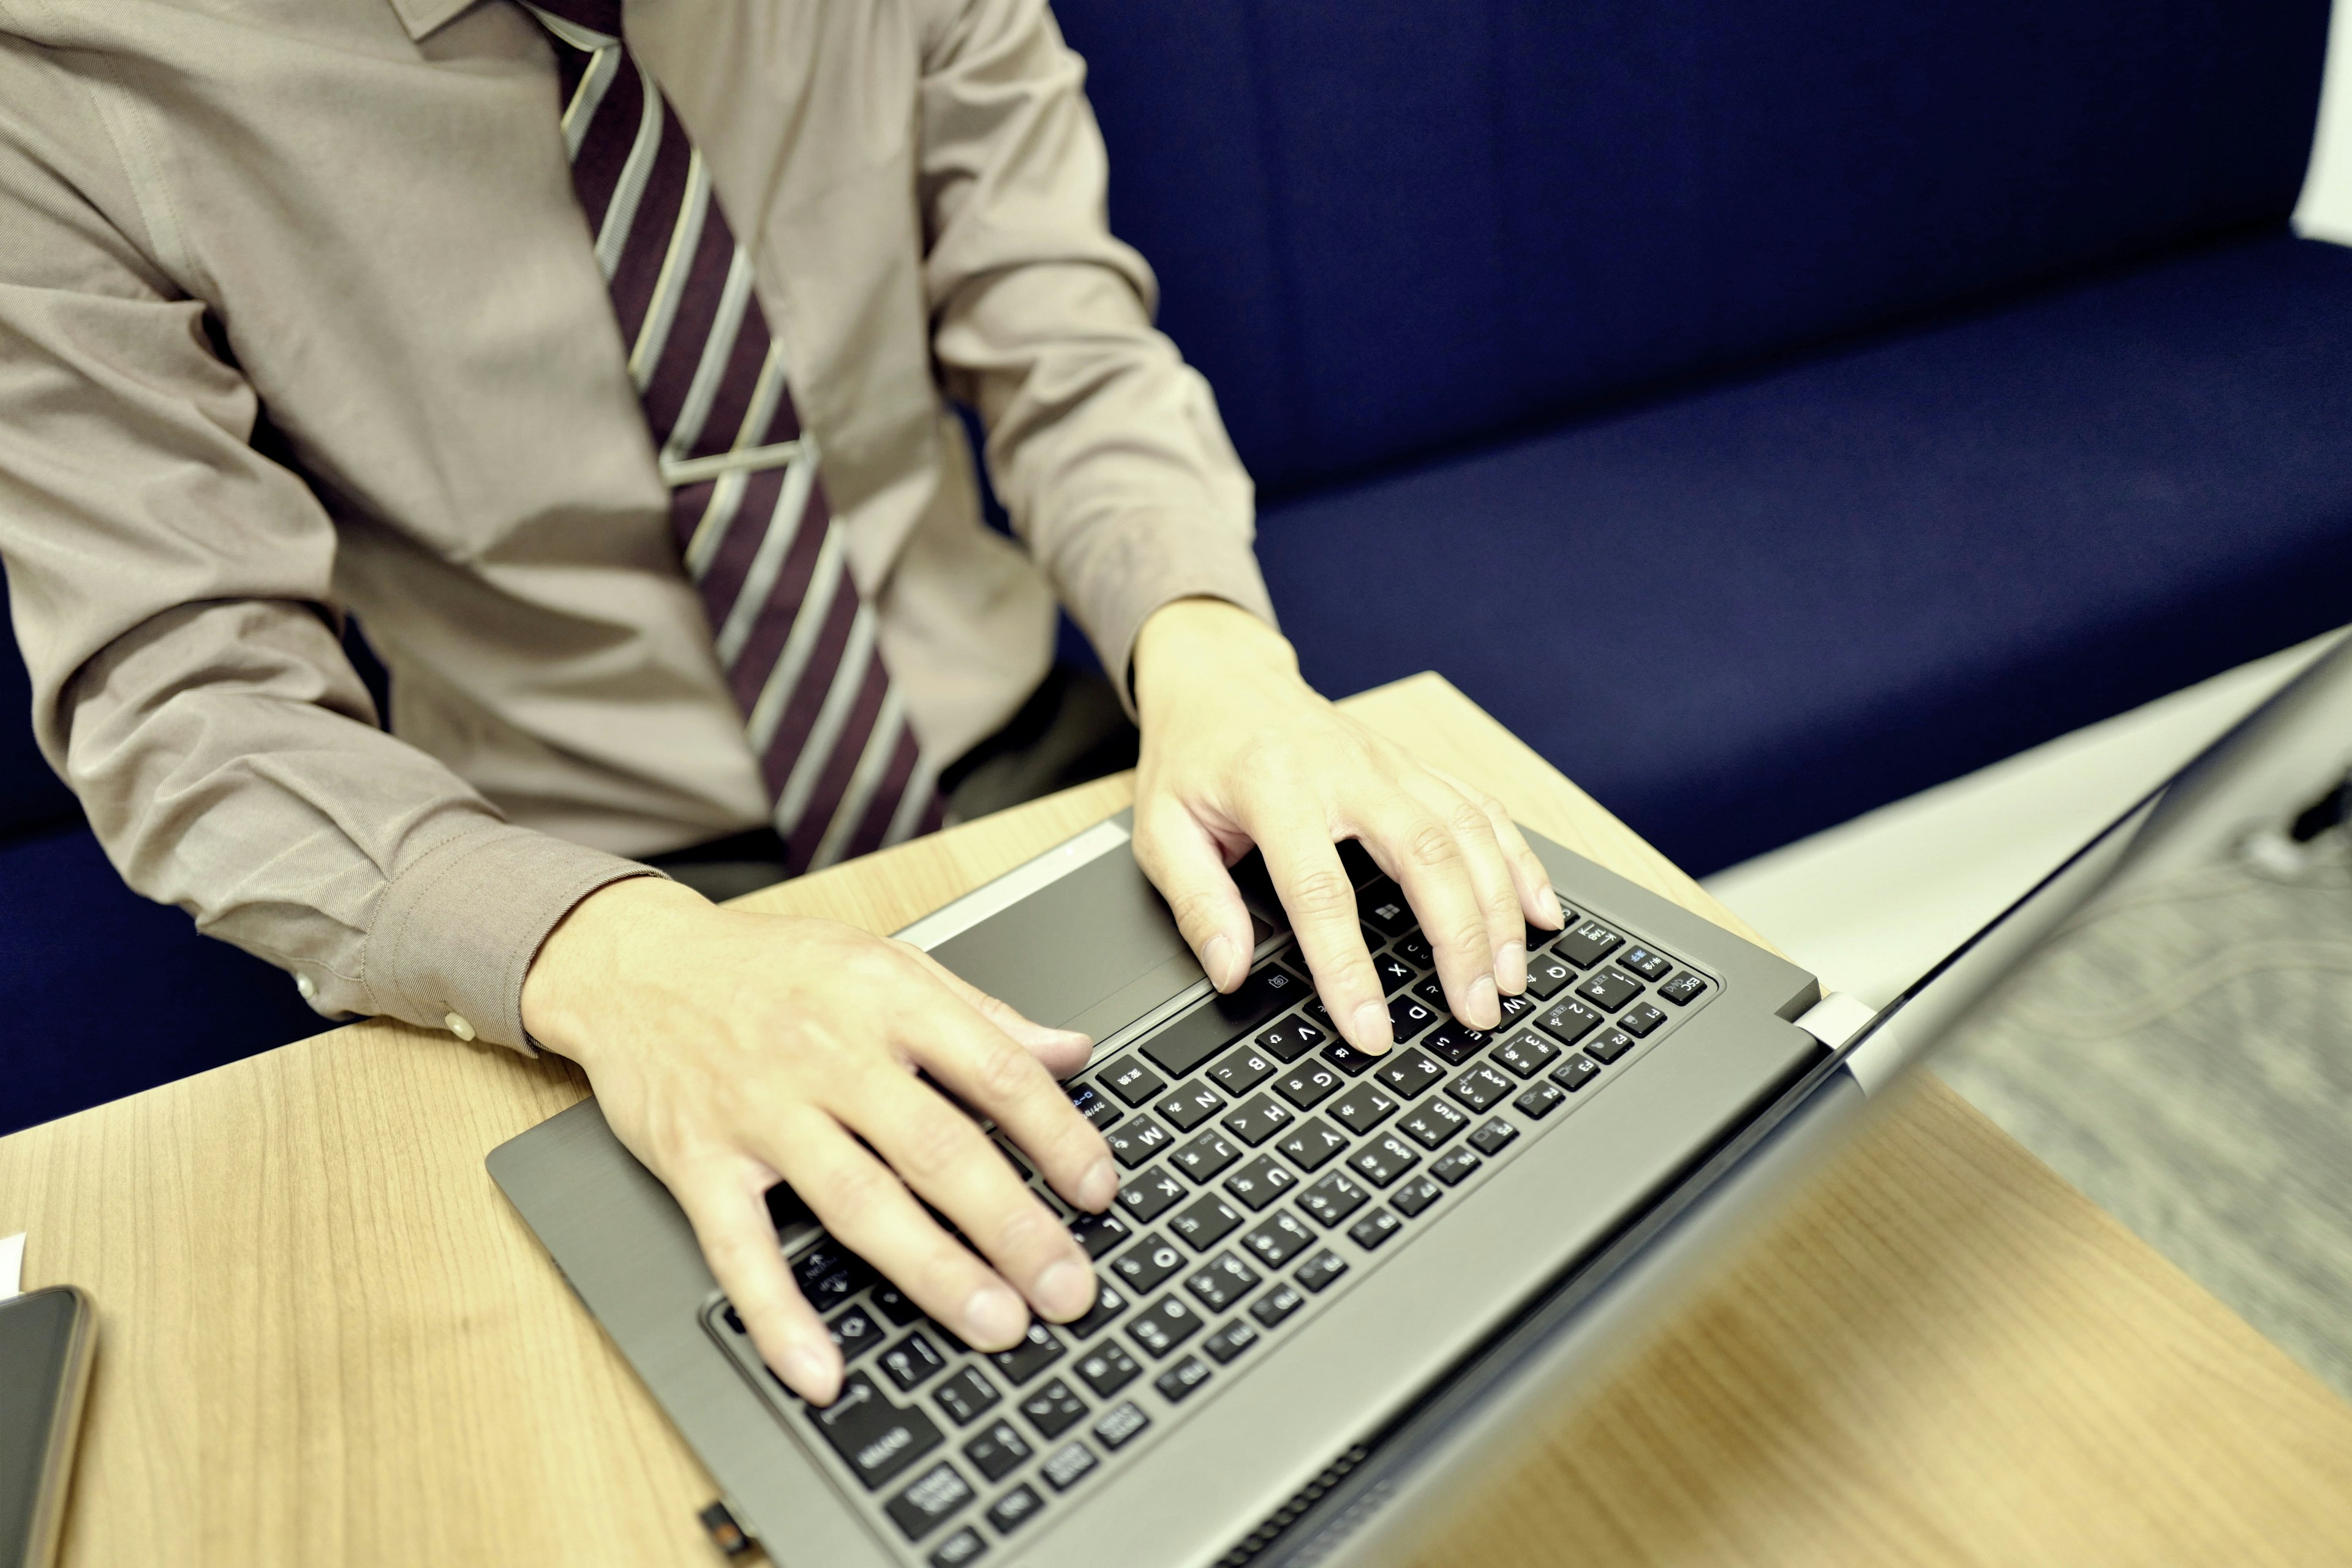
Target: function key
(1261, 1182)
(1333, 1199)
(874, 1437)
(1538, 1101)
(1116, 1426)
(1495, 1137)
(855, 1333)
(1457, 1043)
(1014, 1509)
(1053, 1410)
(1292, 1038)
(1409, 1015)
(965, 1395)
(1382, 905)
(1362, 1108)
(1576, 1072)
(1395, 972)
(1190, 1106)
(1307, 1085)
(1639, 1021)
(1094, 1105)
(1279, 1240)
(1313, 1144)
(913, 1361)
(923, 1506)
(1410, 1071)
(1276, 1307)
(1319, 1272)
(1642, 962)
(1348, 1059)
(1207, 1222)
(1569, 1022)
(1374, 1228)
(1610, 1047)
(1131, 1080)
(1182, 1379)
(1204, 1156)
(1610, 989)
(1257, 1119)
(1242, 1071)
(1481, 1086)
(1149, 1195)
(1527, 1054)
(1587, 943)
(1455, 1168)
(1067, 1465)
(1224, 1281)
(1137, 1142)
(1229, 1341)
(1383, 1160)
(1432, 1124)
(965, 1546)
(1415, 1195)
(1108, 1369)
(1413, 948)
(1163, 1325)
(1109, 1304)
(1683, 989)
(998, 1452)
(1098, 1232)
(1037, 1351)
(1147, 1264)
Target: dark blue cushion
(32, 798)
(1752, 612)
(1383, 229)
(105, 994)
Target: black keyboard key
(1095, 1106)
(1649, 965)
(1147, 1264)
(965, 1395)
(1683, 989)
(1208, 1221)
(1280, 1239)
(1294, 1038)
(1163, 1326)
(1433, 991)
(1182, 1379)
(856, 1331)
(1319, 1272)
(875, 1437)
(1610, 989)
(1241, 1069)
(1454, 1167)
(999, 1451)
(1200, 1034)
(1415, 1195)
(1276, 1307)
(830, 1274)
(893, 1304)
(1538, 1101)
(1313, 1144)
(1066, 1466)
(1224, 1281)
(1261, 1182)
(1409, 1072)
(1317, 1014)
(966, 1545)
(1383, 907)
(1229, 1341)
(1414, 949)
(1119, 1426)
(1547, 973)
(1409, 1015)
(1098, 1232)
(1569, 1021)
(1514, 1008)
(913, 1361)
(1137, 1142)
(1257, 1119)
(1109, 1304)
(1149, 1195)
(1206, 1155)
(1333, 1198)
(1014, 1509)
(1131, 1080)
(1587, 943)
(1053, 1410)
(1494, 1138)
(1349, 1059)
(1037, 1351)
(1526, 1053)
(1457, 1043)
(1374, 1228)
(1610, 1047)
(1362, 1108)
(1432, 1124)
(1383, 1160)
(1108, 1369)
(926, 1504)
(1308, 1085)
(1640, 1020)
(1188, 1107)
(1576, 1072)
(1395, 972)
(1481, 1086)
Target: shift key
(875, 1437)
(1204, 1032)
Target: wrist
(585, 959)
(1205, 644)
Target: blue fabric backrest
(1384, 226)
(32, 798)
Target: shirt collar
(423, 16)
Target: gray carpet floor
(2184, 1055)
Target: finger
(869, 1210)
(1062, 1051)
(952, 1165)
(1489, 874)
(1182, 861)
(1424, 853)
(728, 1212)
(1537, 900)
(1305, 867)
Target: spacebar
(1199, 1034)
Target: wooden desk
(326, 1338)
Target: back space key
(1203, 1033)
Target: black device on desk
(45, 1356)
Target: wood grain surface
(325, 1339)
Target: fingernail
(1372, 1031)
(1548, 899)
(815, 1374)
(1217, 958)
(1511, 968)
(1065, 1290)
(994, 1319)
(1486, 1007)
(1099, 1186)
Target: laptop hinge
(1837, 1018)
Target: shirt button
(457, 1025)
(306, 986)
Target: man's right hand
(732, 1051)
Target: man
(299, 313)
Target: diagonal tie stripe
(795, 640)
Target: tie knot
(591, 15)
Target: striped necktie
(794, 639)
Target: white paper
(12, 1263)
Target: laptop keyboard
(1266, 1168)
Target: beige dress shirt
(299, 313)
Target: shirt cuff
(1129, 568)
(459, 926)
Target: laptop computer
(1333, 1285)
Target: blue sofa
(1766, 412)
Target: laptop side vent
(1271, 1527)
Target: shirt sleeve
(170, 587)
(1105, 445)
